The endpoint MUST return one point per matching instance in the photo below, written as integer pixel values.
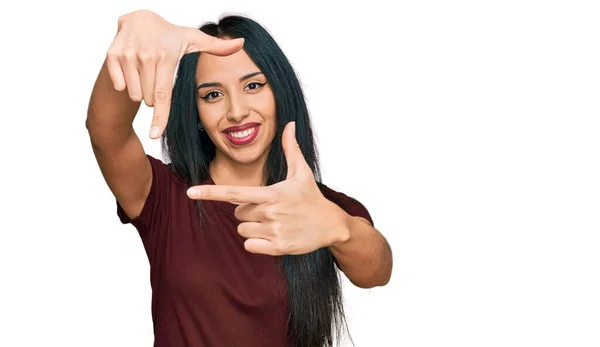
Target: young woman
(243, 239)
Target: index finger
(163, 88)
(201, 42)
(234, 194)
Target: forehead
(217, 68)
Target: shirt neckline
(224, 206)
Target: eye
(254, 85)
(211, 95)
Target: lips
(241, 127)
(242, 134)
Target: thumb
(201, 42)
(296, 164)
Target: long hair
(316, 314)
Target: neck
(225, 171)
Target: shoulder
(346, 202)
(333, 194)
(164, 171)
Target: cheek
(270, 117)
(267, 108)
(209, 115)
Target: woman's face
(236, 106)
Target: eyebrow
(217, 84)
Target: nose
(238, 108)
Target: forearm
(110, 113)
(364, 254)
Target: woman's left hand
(289, 217)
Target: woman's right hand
(145, 53)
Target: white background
(469, 129)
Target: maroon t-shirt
(207, 290)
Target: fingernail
(154, 132)
(193, 192)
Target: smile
(242, 137)
(242, 134)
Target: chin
(247, 157)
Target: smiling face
(236, 106)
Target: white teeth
(242, 134)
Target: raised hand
(145, 53)
(290, 217)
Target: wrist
(339, 229)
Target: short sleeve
(352, 206)
(155, 211)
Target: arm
(140, 65)
(362, 252)
(117, 148)
(296, 216)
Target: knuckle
(142, 12)
(144, 57)
(129, 54)
(276, 230)
(113, 53)
(121, 20)
(161, 96)
(232, 194)
(124, 17)
(270, 213)
(163, 54)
